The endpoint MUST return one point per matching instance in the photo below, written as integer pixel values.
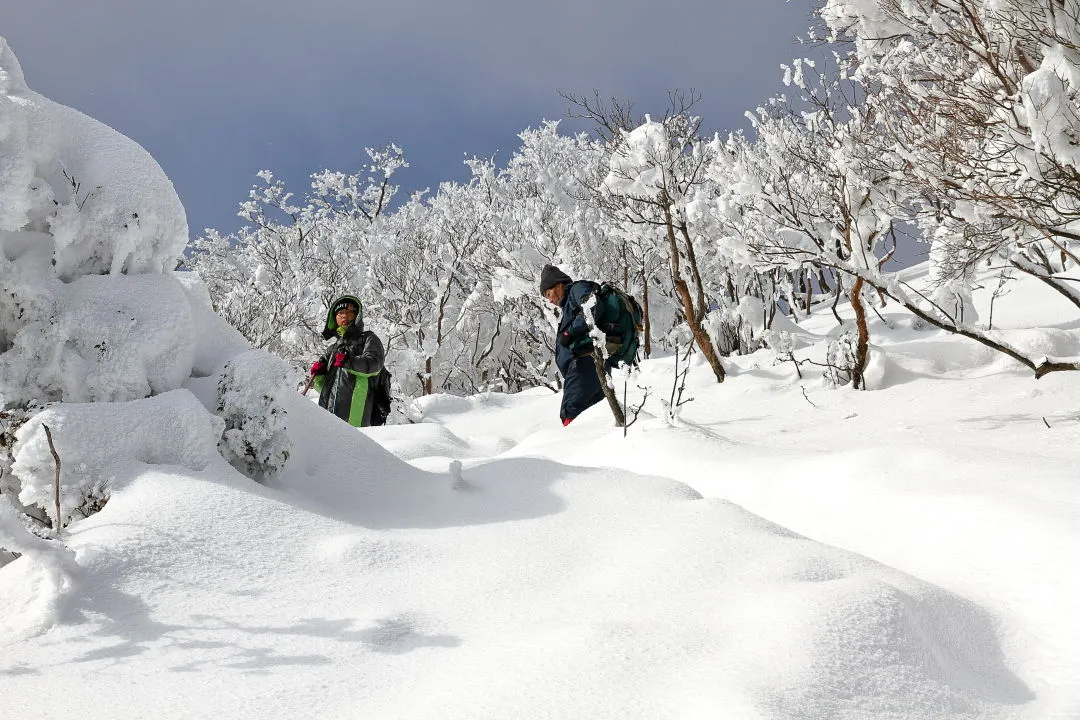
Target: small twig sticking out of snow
(1045, 423)
(56, 458)
(791, 357)
(634, 411)
(806, 396)
(884, 322)
(678, 386)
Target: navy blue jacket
(581, 386)
(572, 319)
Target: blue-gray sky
(217, 90)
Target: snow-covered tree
(274, 278)
(249, 393)
(90, 228)
(655, 173)
(807, 193)
(982, 99)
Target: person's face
(554, 295)
(345, 317)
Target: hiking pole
(308, 386)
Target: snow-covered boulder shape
(102, 200)
(101, 444)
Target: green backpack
(620, 317)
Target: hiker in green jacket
(346, 372)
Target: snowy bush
(841, 358)
(255, 440)
(953, 296)
(99, 338)
(737, 330)
(780, 342)
(95, 199)
(79, 200)
(10, 421)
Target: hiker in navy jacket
(573, 350)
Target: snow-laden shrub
(840, 357)
(100, 444)
(99, 338)
(780, 342)
(255, 440)
(954, 298)
(96, 199)
(11, 420)
(78, 200)
(737, 330)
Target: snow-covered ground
(905, 552)
(784, 549)
(960, 472)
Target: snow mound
(572, 593)
(36, 584)
(89, 224)
(216, 341)
(100, 444)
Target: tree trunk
(862, 348)
(605, 383)
(809, 291)
(701, 336)
(625, 270)
(823, 283)
(645, 321)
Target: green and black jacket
(344, 391)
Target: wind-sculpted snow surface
(525, 589)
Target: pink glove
(339, 360)
(317, 368)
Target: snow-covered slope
(781, 549)
(959, 470)
(900, 553)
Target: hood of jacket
(332, 329)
